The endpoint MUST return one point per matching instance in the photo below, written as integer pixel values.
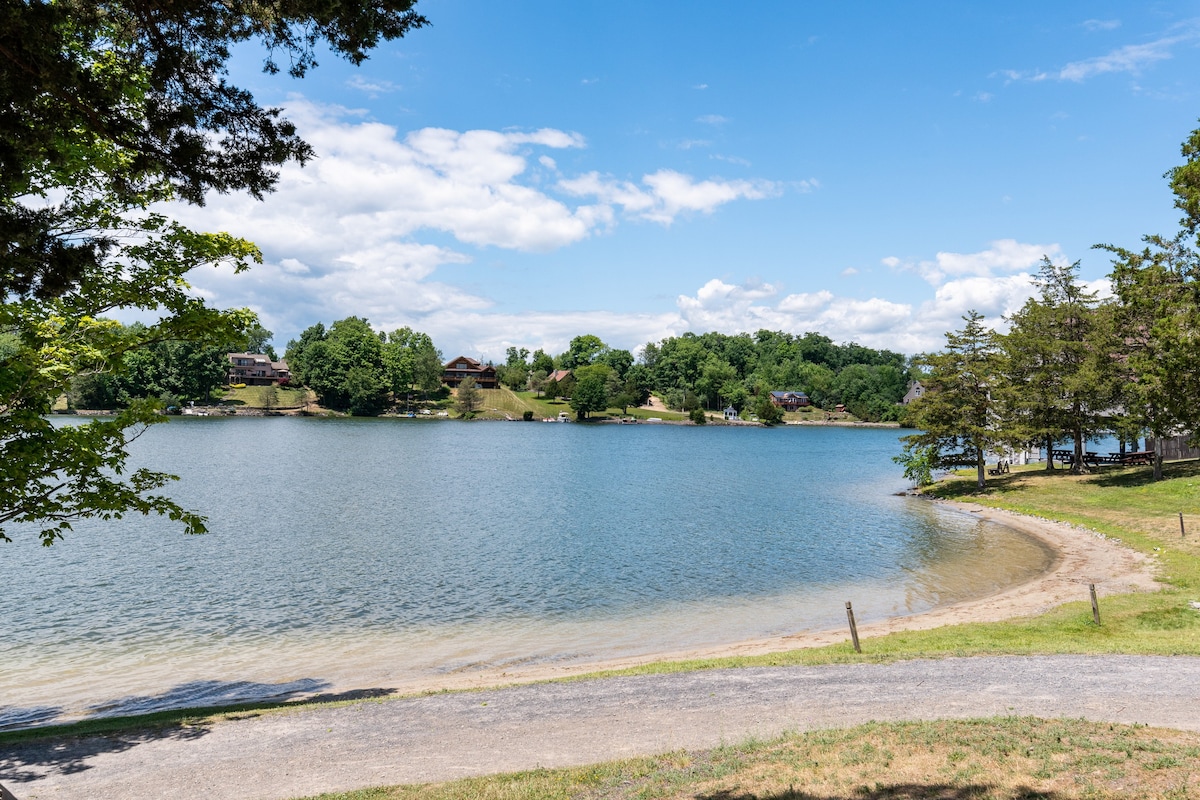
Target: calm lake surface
(379, 553)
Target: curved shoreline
(1081, 557)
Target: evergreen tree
(1058, 372)
(957, 412)
(467, 397)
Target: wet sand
(1082, 557)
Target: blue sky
(522, 173)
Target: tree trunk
(980, 469)
(1077, 466)
(1049, 452)
(1158, 461)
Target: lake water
(376, 553)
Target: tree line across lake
(354, 368)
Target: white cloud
(1004, 255)
(712, 119)
(1094, 25)
(372, 87)
(487, 335)
(1130, 58)
(741, 162)
(753, 306)
(995, 282)
(377, 223)
(665, 194)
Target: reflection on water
(374, 552)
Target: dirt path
(445, 736)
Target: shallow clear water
(374, 553)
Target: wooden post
(1095, 605)
(1182, 532)
(853, 627)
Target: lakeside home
(256, 369)
(790, 401)
(463, 367)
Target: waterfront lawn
(1013, 757)
(256, 397)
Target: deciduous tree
(109, 108)
(1157, 319)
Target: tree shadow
(206, 694)
(26, 762)
(1144, 476)
(48, 749)
(896, 791)
(1108, 475)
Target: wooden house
(464, 367)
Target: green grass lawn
(262, 397)
(495, 403)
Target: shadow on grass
(1110, 476)
(31, 754)
(896, 791)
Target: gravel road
(440, 737)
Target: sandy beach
(1082, 557)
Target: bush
(697, 416)
(527, 416)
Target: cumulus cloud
(376, 224)
(1004, 255)
(753, 306)
(664, 195)
(995, 282)
(488, 334)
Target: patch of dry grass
(1003, 759)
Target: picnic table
(1090, 458)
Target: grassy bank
(945, 760)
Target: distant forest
(352, 367)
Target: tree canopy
(109, 109)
